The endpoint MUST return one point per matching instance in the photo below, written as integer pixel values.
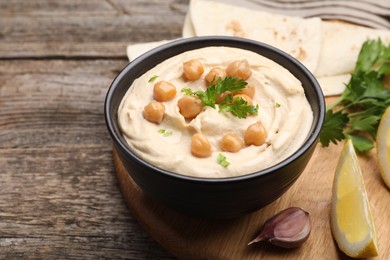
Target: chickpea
(193, 69)
(244, 97)
(249, 90)
(221, 97)
(231, 143)
(239, 69)
(154, 112)
(214, 74)
(255, 134)
(189, 106)
(164, 91)
(200, 146)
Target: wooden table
(59, 195)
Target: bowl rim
(312, 137)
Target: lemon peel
(383, 146)
(351, 219)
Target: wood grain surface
(72, 28)
(59, 193)
(192, 238)
(59, 196)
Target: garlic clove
(289, 228)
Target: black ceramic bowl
(216, 197)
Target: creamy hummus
(282, 109)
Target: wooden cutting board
(192, 238)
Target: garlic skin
(289, 228)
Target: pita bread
(135, 50)
(341, 43)
(333, 85)
(188, 28)
(297, 36)
(328, 49)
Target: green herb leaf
(374, 56)
(168, 133)
(208, 97)
(365, 122)
(187, 91)
(228, 84)
(238, 107)
(358, 111)
(362, 144)
(221, 159)
(164, 132)
(153, 78)
(332, 130)
(277, 105)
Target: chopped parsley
(165, 133)
(221, 159)
(153, 78)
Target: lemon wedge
(383, 146)
(351, 220)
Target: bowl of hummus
(214, 127)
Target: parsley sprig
(238, 106)
(357, 113)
